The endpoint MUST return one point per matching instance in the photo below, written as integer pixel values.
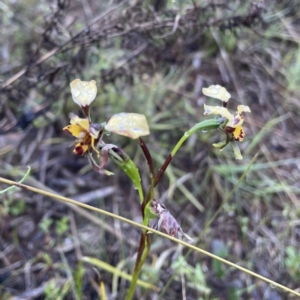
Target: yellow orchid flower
(234, 120)
(83, 92)
(233, 127)
(85, 132)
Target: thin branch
(162, 169)
(147, 156)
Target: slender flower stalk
(144, 246)
(202, 126)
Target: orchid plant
(232, 125)
(90, 143)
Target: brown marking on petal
(229, 129)
(67, 129)
(79, 150)
(241, 135)
(85, 139)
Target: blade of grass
(230, 193)
(229, 169)
(257, 138)
(22, 180)
(103, 265)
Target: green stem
(21, 181)
(144, 246)
(205, 125)
(142, 255)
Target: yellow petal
(93, 146)
(218, 110)
(243, 108)
(239, 133)
(217, 92)
(75, 130)
(83, 123)
(128, 124)
(83, 92)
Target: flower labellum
(234, 120)
(83, 92)
(85, 132)
(128, 124)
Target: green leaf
(291, 252)
(133, 173)
(115, 271)
(78, 279)
(219, 249)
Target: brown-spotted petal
(75, 130)
(239, 133)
